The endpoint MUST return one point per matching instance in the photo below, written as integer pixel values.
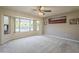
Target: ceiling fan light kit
(40, 13)
(41, 10)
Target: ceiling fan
(41, 10)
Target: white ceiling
(29, 9)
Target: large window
(6, 24)
(26, 25)
(17, 23)
(23, 25)
(31, 25)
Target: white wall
(12, 35)
(64, 29)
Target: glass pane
(38, 25)
(24, 25)
(17, 25)
(6, 20)
(31, 25)
(6, 24)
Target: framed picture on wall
(73, 21)
(57, 20)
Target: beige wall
(12, 35)
(64, 29)
(0, 29)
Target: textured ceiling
(29, 9)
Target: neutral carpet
(40, 44)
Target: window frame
(20, 22)
(9, 25)
(15, 24)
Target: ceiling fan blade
(37, 8)
(47, 10)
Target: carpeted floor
(40, 44)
